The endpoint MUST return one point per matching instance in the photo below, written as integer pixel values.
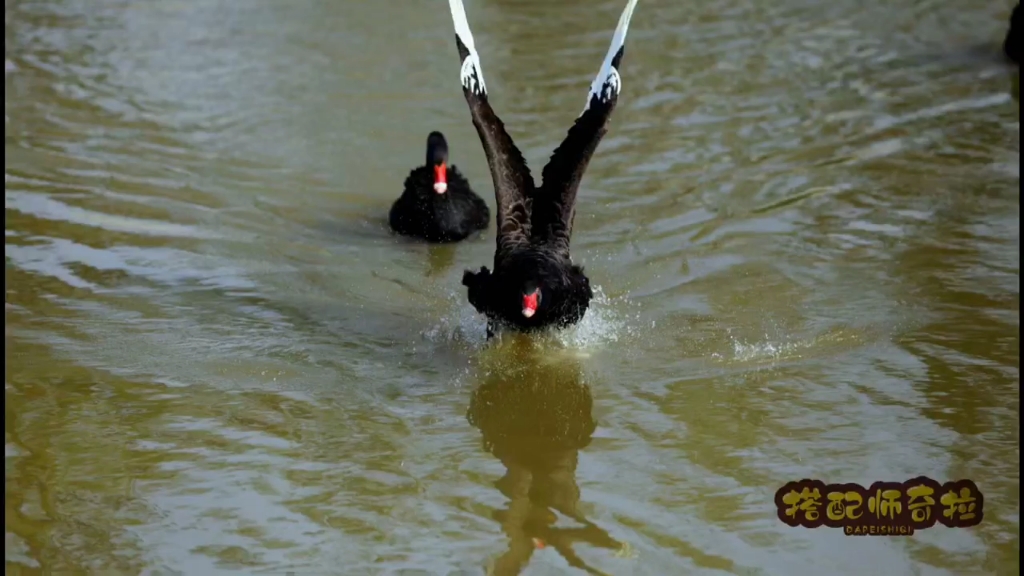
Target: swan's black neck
(437, 149)
(1011, 45)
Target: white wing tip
(608, 83)
(470, 75)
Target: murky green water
(804, 224)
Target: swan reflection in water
(535, 416)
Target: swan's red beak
(530, 303)
(440, 178)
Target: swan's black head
(530, 289)
(437, 156)
(543, 289)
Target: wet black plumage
(565, 291)
(423, 213)
(535, 284)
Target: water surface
(803, 224)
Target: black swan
(437, 204)
(535, 283)
(1011, 45)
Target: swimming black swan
(438, 204)
(535, 283)
(1011, 45)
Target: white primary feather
(608, 77)
(471, 64)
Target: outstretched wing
(554, 206)
(513, 183)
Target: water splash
(744, 352)
(783, 349)
(460, 325)
(605, 322)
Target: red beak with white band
(440, 178)
(530, 303)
